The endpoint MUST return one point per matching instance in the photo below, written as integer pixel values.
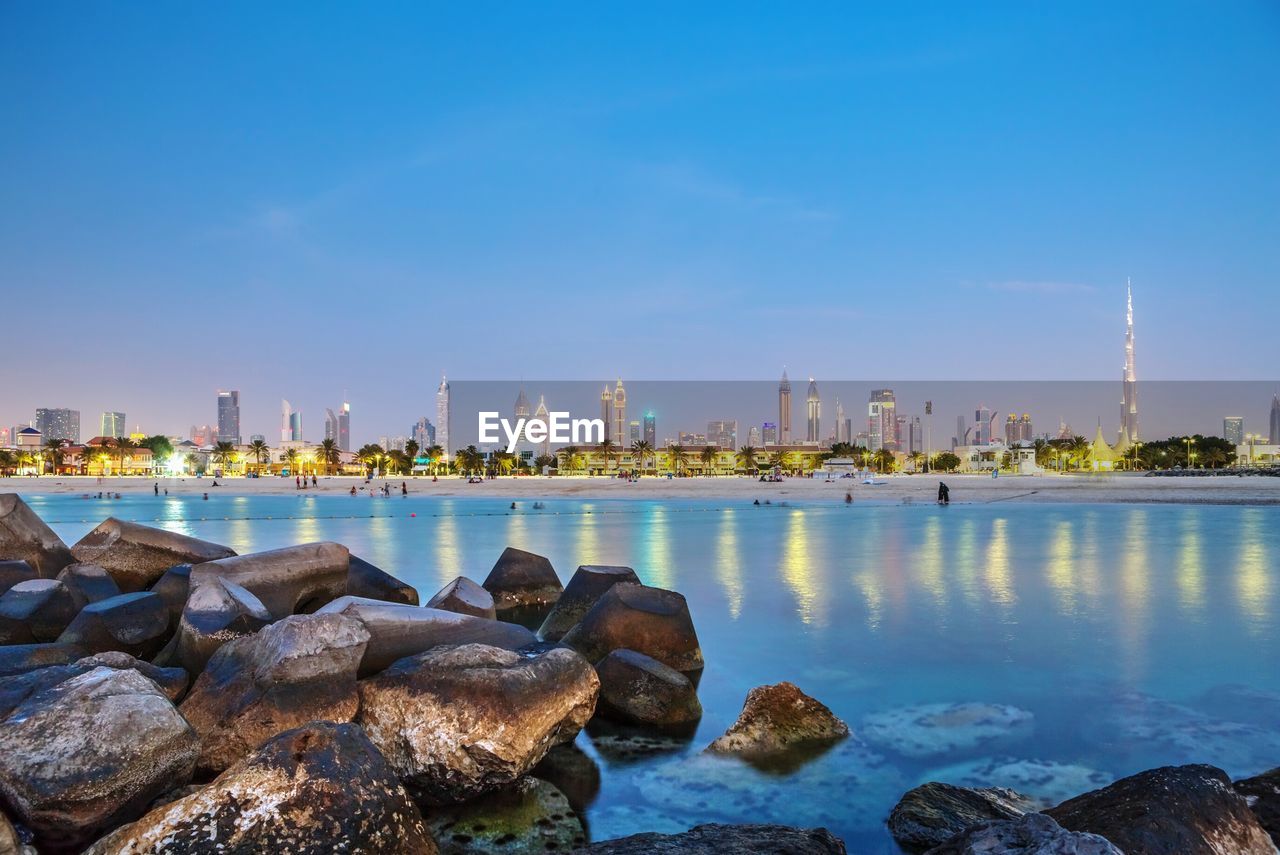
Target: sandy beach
(1123, 488)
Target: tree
(411, 449)
(678, 457)
(543, 462)
(641, 451)
(569, 458)
(504, 461)
(161, 447)
(608, 451)
(436, 454)
(224, 454)
(259, 450)
(8, 462)
(53, 454)
(398, 462)
(368, 456)
(917, 459)
(746, 459)
(328, 455)
(290, 460)
(884, 460)
(946, 461)
(1079, 447)
(470, 460)
(780, 460)
(708, 457)
(194, 463)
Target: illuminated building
(784, 410)
(58, 423)
(112, 424)
(606, 412)
(1129, 407)
(228, 417)
(813, 408)
(1233, 430)
(442, 416)
(769, 433)
(882, 420)
(619, 413)
(651, 429)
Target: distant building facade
(1233, 430)
(112, 424)
(228, 417)
(442, 416)
(651, 429)
(723, 433)
(882, 421)
(58, 423)
(813, 413)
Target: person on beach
(313, 479)
(297, 482)
(848, 498)
(404, 488)
(944, 494)
(353, 489)
(157, 488)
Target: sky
(298, 199)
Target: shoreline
(1119, 488)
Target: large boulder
(88, 583)
(374, 583)
(173, 587)
(776, 719)
(458, 722)
(25, 537)
(1032, 834)
(137, 624)
(299, 669)
(35, 611)
(466, 598)
(397, 631)
(217, 610)
(13, 572)
(287, 581)
(21, 658)
(16, 688)
(1187, 810)
(638, 689)
(315, 790)
(651, 621)
(588, 585)
(713, 839)
(1262, 792)
(521, 580)
(91, 752)
(933, 813)
(137, 555)
(172, 681)
(10, 841)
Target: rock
(172, 681)
(137, 624)
(529, 816)
(588, 585)
(89, 753)
(370, 582)
(1187, 810)
(13, 572)
(1046, 782)
(776, 719)
(25, 537)
(1032, 834)
(35, 611)
(466, 598)
(10, 842)
(217, 610)
(638, 689)
(714, 839)
(522, 580)
(287, 581)
(933, 813)
(88, 583)
(926, 730)
(572, 771)
(397, 631)
(137, 555)
(647, 620)
(299, 669)
(21, 658)
(458, 722)
(1262, 793)
(315, 790)
(173, 587)
(16, 688)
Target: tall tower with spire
(443, 412)
(544, 448)
(784, 410)
(619, 433)
(814, 410)
(1129, 407)
(606, 411)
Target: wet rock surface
(637, 689)
(35, 611)
(137, 555)
(651, 621)
(927, 730)
(466, 598)
(933, 813)
(217, 610)
(459, 722)
(287, 581)
(776, 719)
(297, 670)
(15, 689)
(26, 537)
(1033, 834)
(137, 624)
(315, 790)
(588, 585)
(522, 580)
(1188, 810)
(374, 583)
(1046, 782)
(1262, 793)
(529, 816)
(715, 839)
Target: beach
(1122, 488)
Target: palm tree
(917, 459)
(780, 460)
(884, 459)
(28, 459)
(398, 461)
(411, 449)
(260, 451)
(1043, 451)
(328, 455)
(569, 457)
(641, 451)
(608, 451)
(368, 457)
(1079, 449)
(53, 453)
(470, 460)
(290, 459)
(123, 444)
(746, 458)
(708, 457)
(543, 462)
(678, 456)
(505, 461)
(8, 461)
(1214, 456)
(224, 454)
(436, 453)
(193, 462)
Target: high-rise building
(692, 440)
(544, 447)
(962, 433)
(424, 433)
(813, 412)
(58, 423)
(1275, 420)
(982, 425)
(915, 436)
(203, 435)
(882, 420)
(290, 423)
(442, 416)
(344, 427)
(112, 424)
(651, 429)
(784, 410)
(1233, 430)
(838, 432)
(633, 429)
(769, 433)
(5, 437)
(619, 413)
(330, 425)
(521, 409)
(228, 417)
(723, 433)
(1129, 406)
(606, 411)
(753, 437)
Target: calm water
(1102, 639)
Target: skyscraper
(1129, 407)
(982, 419)
(229, 416)
(784, 410)
(633, 430)
(330, 425)
(521, 410)
(424, 433)
(442, 416)
(882, 420)
(290, 423)
(769, 433)
(606, 412)
(112, 425)
(58, 423)
(839, 433)
(724, 434)
(813, 406)
(544, 447)
(1233, 430)
(1275, 420)
(651, 429)
(753, 437)
(915, 436)
(619, 413)
(344, 427)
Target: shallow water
(1101, 639)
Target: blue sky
(293, 199)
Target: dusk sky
(296, 199)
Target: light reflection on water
(1056, 609)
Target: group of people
(385, 489)
(301, 481)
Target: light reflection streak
(657, 567)
(1190, 565)
(999, 583)
(929, 561)
(729, 562)
(1253, 578)
(798, 570)
(1061, 568)
(1134, 595)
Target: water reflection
(798, 570)
(1061, 567)
(588, 540)
(445, 540)
(1134, 584)
(657, 566)
(1253, 573)
(999, 583)
(729, 563)
(929, 565)
(1190, 565)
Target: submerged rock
(528, 816)
(926, 730)
(714, 839)
(1173, 810)
(520, 580)
(299, 669)
(1046, 782)
(651, 621)
(35, 611)
(137, 555)
(286, 581)
(638, 689)
(1032, 834)
(91, 752)
(466, 598)
(778, 718)
(25, 537)
(458, 722)
(88, 583)
(933, 813)
(1262, 792)
(319, 789)
(217, 610)
(396, 631)
(588, 585)
(374, 583)
(137, 624)
(13, 572)
(626, 744)
(573, 772)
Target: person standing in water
(944, 494)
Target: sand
(1122, 488)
